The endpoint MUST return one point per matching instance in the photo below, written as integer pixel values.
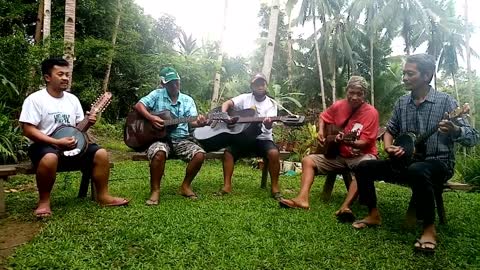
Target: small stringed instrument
(222, 134)
(330, 148)
(139, 133)
(414, 145)
(78, 132)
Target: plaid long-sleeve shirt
(407, 117)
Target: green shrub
(467, 168)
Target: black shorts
(257, 148)
(37, 151)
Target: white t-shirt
(265, 108)
(47, 113)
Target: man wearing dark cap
(178, 143)
(263, 145)
(351, 114)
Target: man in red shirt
(353, 116)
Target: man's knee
(160, 156)
(48, 161)
(308, 162)
(273, 155)
(101, 155)
(199, 157)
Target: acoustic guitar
(414, 145)
(139, 133)
(330, 148)
(78, 132)
(246, 128)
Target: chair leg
(347, 179)
(263, 184)
(328, 186)
(440, 207)
(82, 192)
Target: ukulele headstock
(459, 112)
(292, 120)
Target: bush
(13, 144)
(467, 167)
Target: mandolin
(414, 145)
(78, 132)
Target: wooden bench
(27, 168)
(219, 155)
(5, 172)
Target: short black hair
(425, 64)
(47, 64)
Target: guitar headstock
(459, 112)
(292, 120)
(101, 103)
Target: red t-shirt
(365, 120)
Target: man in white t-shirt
(263, 144)
(43, 112)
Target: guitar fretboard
(177, 121)
(257, 119)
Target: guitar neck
(257, 119)
(84, 125)
(177, 121)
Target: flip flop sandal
(421, 246)
(364, 223)
(346, 216)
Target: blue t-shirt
(158, 100)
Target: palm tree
(114, 41)
(308, 11)
(373, 23)
(47, 16)
(188, 44)
(39, 23)
(216, 81)
(272, 36)
(469, 66)
(69, 35)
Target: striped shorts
(182, 149)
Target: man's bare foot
(112, 201)
(428, 240)
(187, 192)
(368, 221)
(43, 210)
(293, 203)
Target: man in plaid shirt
(422, 110)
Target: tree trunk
(47, 4)
(69, 35)
(114, 41)
(216, 81)
(39, 23)
(334, 84)
(469, 66)
(272, 36)
(290, 55)
(372, 88)
(455, 87)
(319, 62)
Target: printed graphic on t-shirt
(61, 118)
(357, 127)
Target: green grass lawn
(244, 230)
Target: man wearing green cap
(263, 145)
(178, 142)
(353, 116)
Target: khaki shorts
(183, 149)
(340, 164)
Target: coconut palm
(69, 35)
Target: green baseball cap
(168, 74)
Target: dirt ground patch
(15, 233)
